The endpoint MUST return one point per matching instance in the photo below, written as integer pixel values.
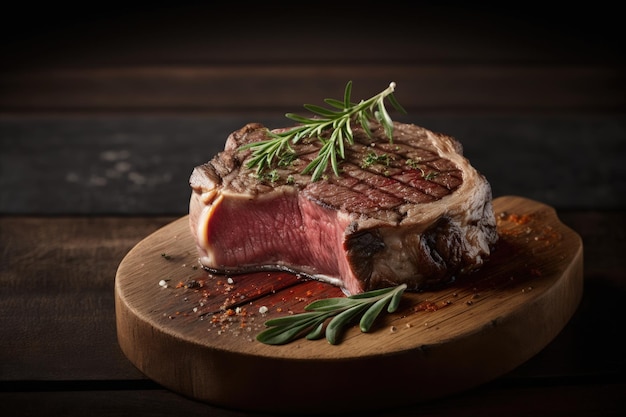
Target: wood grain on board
(196, 336)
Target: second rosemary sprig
(331, 126)
(344, 311)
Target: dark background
(106, 107)
(127, 99)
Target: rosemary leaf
(331, 126)
(297, 118)
(322, 111)
(344, 312)
(376, 293)
(317, 333)
(347, 93)
(286, 332)
(331, 304)
(371, 314)
(342, 319)
(335, 103)
(289, 320)
(396, 297)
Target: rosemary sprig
(331, 126)
(343, 311)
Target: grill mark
(375, 184)
(381, 186)
(406, 151)
(348, 193)
(386, 184)
(450, 180)
(414, 180)
(411, 177)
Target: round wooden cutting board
(194, 332)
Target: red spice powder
(431, 306)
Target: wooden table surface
(104, 115)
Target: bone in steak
(411, 211)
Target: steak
(412, 210)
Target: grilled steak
(411, 211)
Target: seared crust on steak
(409, 211)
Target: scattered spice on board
(514, 225)
(431, 306)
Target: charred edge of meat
(441, 257)
(360, 249)
(442, 251)
(273, 268)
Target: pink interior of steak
(286, 230)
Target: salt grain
(263, 310)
